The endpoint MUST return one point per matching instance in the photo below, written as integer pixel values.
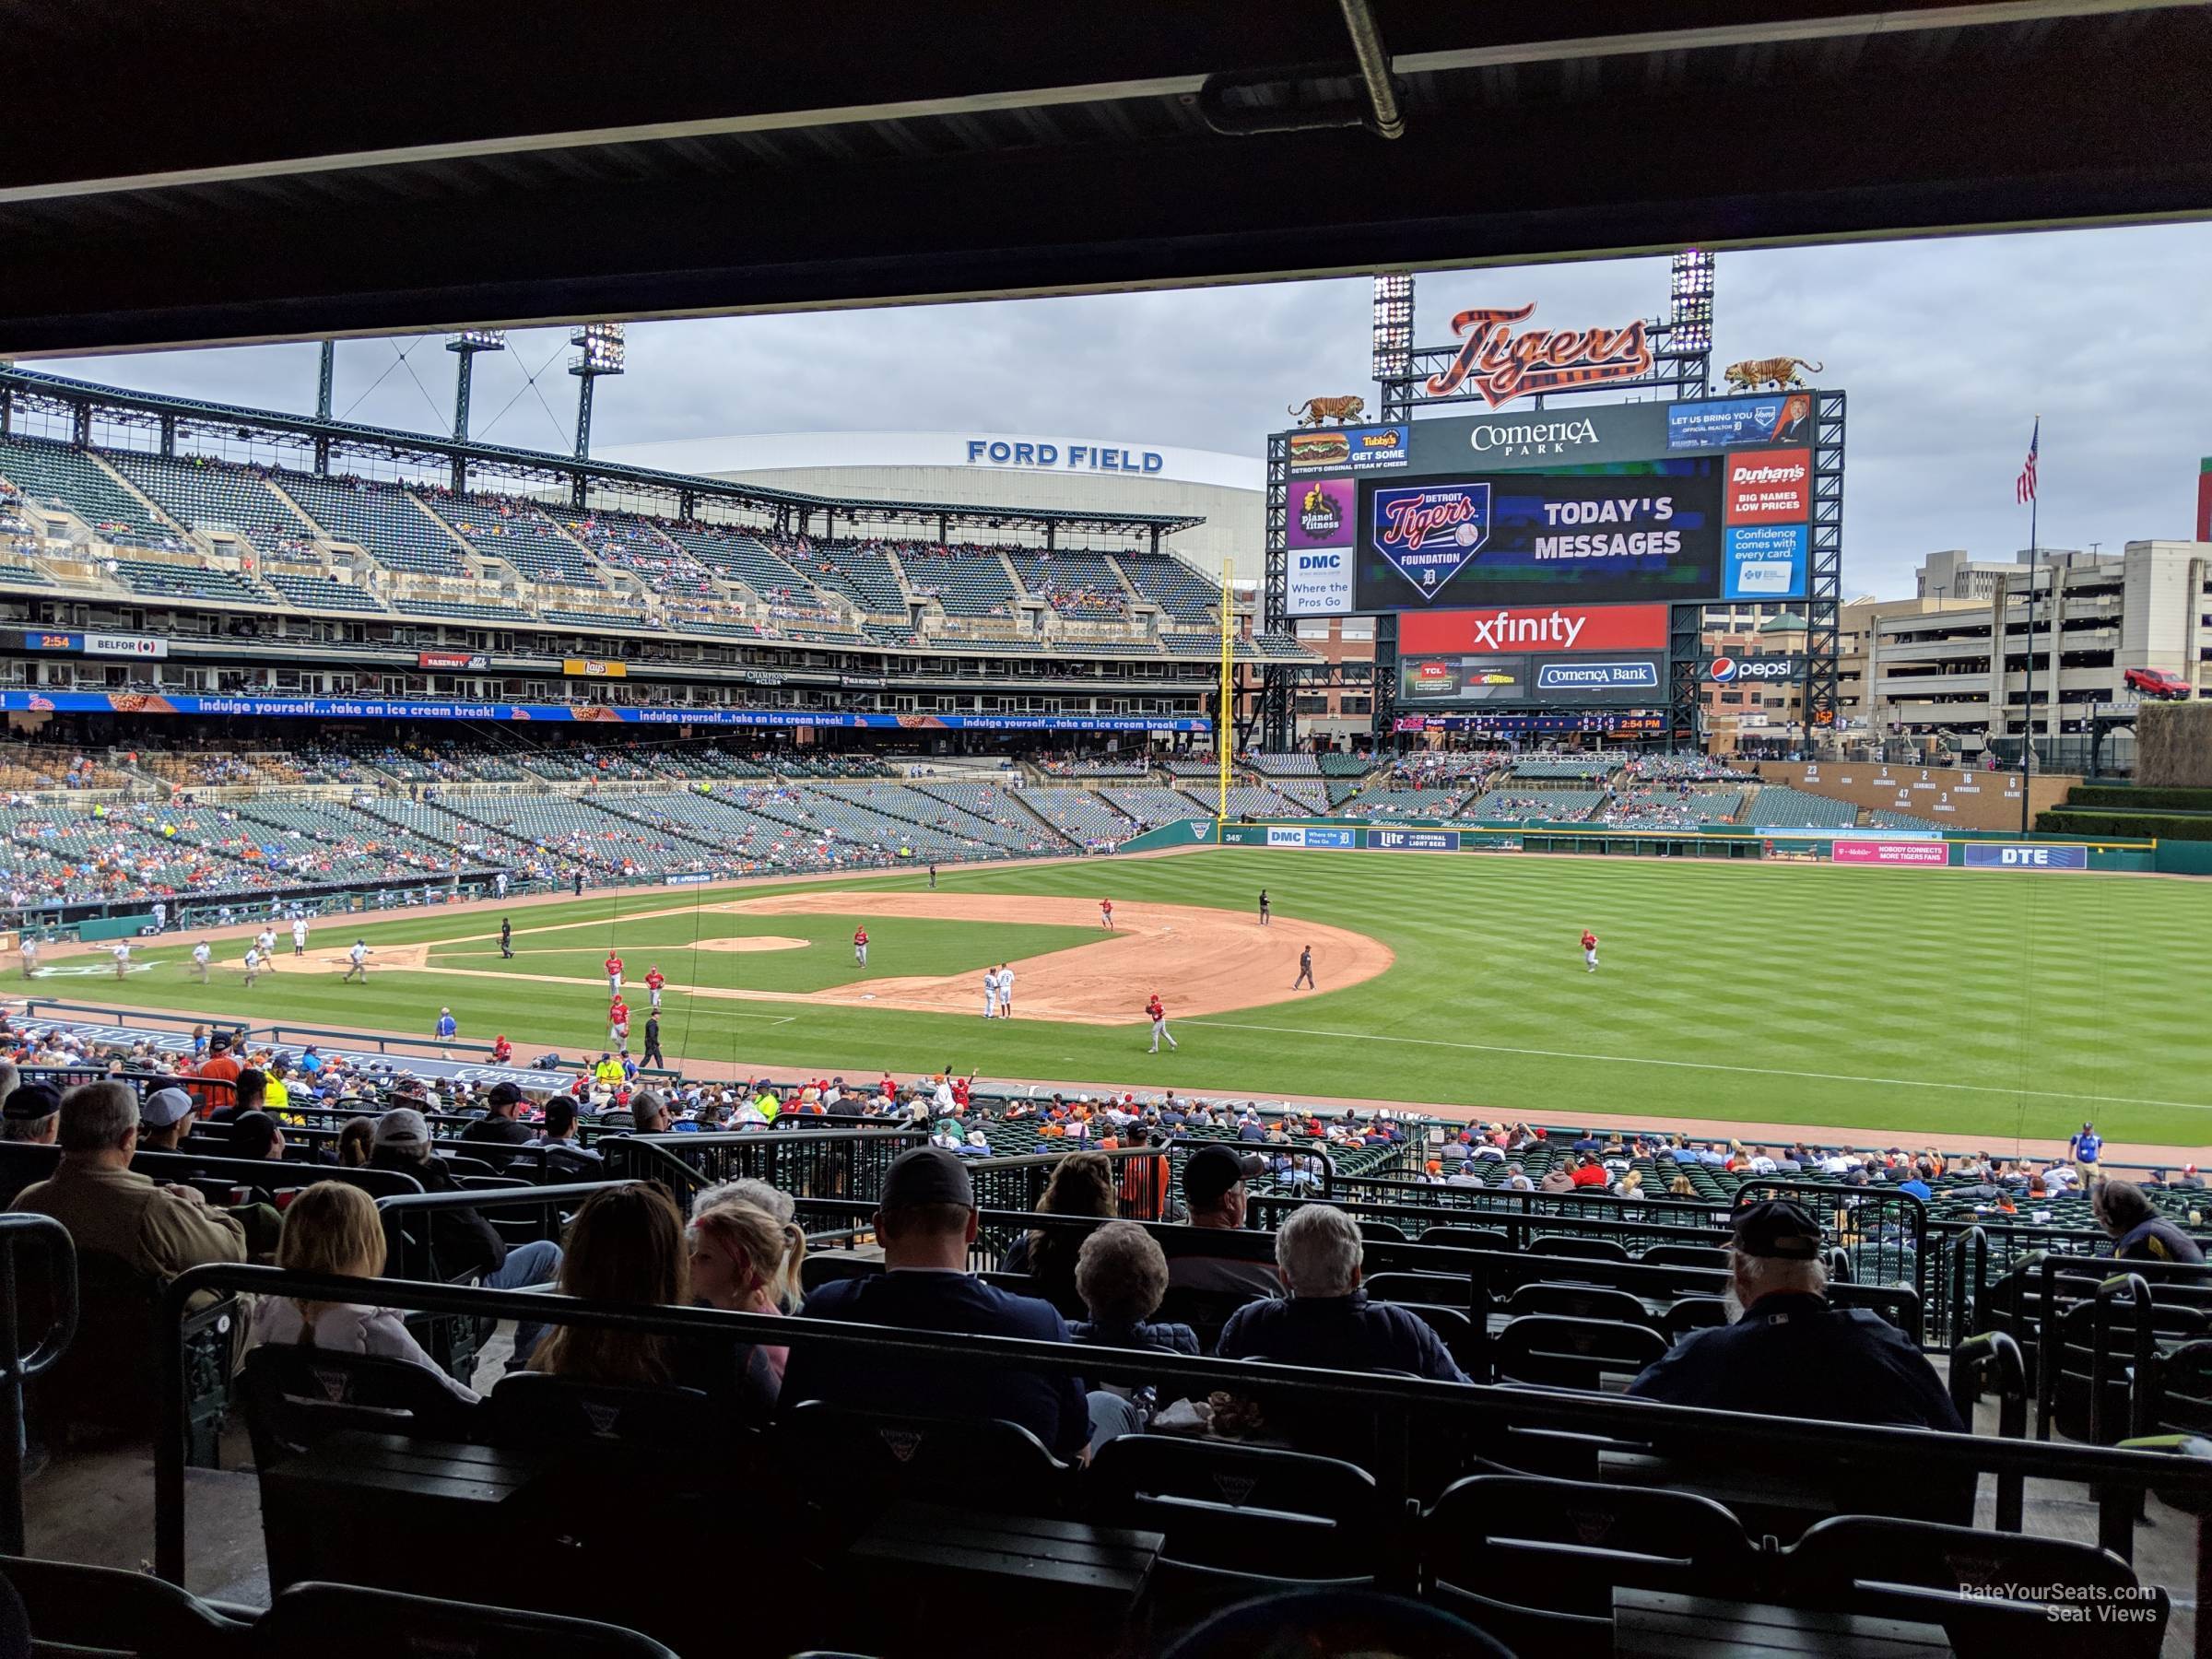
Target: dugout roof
(238, 168)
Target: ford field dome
(1016, 470)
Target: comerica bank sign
(1041, 452)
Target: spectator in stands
(926, 1219)
(626, 1245)
(2139, 1232)
(1328, 1320)
(460, 1240)
(1789, 1352)
(1122, 1274)
(356, 1140)
(1213, 1188)
(30, 1114)
(217, 1073)
(1558, 1178)
(1081, 1185)
(778, 1207)
(334, 1228)
(740, 1254)
(164, 1120)
(111, 1208)
(567, 1157)
(491, 1136)
(650, 1113)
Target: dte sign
(2013, 855)
(1081, 457)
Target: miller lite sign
(1429, 534)
(1500, 365)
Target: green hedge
(2128, 826)
(2105, 797)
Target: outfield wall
(1897, 849)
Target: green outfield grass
(1982, 1004)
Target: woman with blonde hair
(778, 1207)
(737, 1254)
(334, 1228)
(625, 1245)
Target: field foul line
(1754, 1071)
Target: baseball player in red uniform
(614, 973)
(860, 947)
(1590, 949)
(1106, 914)
(655, 980)
(1158, 1015)
(618, 1021)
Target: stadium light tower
(601, 350)
(1689, 323)
(1393, 325)
(464, 345)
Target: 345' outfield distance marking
(1754, 1071)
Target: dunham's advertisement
(1522, 538)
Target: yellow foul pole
(1225, 722)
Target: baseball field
(1985, 1005)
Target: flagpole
(2035, 560)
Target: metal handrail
(2119, 1475)
(1973, 1363)
(18, 1367)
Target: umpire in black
(653, 1040)
(1791, 1354)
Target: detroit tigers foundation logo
(1428, 535)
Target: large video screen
(1523, 539)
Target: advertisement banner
(1765, 562)
(1350, 449)
(125, 645)
(474, 660)
(595, 668)
(2019, 855)
(1732, 422)
(688, 878)
(1413, 840)
(1318, 582)
(1560, 629)
(400, 707)
(1917, 852)
(1602, 680)
(1458, 679)
(1541, 438)
(1539, 537)
(1491, 725)
(1770, 487)
(1320, 514)
(1753, 671)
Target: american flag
(2024, 486)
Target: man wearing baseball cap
(1213, 1190)
(926, 1219)
(165, 1118)
(500, 1127)
(1789, 1352)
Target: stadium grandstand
(359, 1331)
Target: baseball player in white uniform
(357, 958)
(30, 948)
(990, 992)
(266, 940)
(200, 956)
(1005, 993)
(256, 961)
(299, 935)
(122, 954)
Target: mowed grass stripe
(1996, 1003)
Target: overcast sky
(1948, 349)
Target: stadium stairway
(1011, 797)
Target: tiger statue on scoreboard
(1342, 410)
(1753, 374)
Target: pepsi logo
(1723, 670)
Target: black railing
(1409, 1414)
(806, 1163)
(56, 1255)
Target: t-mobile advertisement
(1915, 852)
(1519, 538)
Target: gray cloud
(1947, 349)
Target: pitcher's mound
(750, 942)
